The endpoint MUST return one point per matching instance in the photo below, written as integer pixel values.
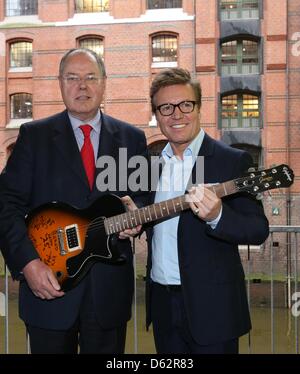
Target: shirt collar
(94, 122)
(191, 150)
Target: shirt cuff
(213, 223)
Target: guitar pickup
(72, 238)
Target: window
(20, 54)
(21, 106)
(164, 49)
(91, 6)
(239, 9)
(95, 44)
(21, 7)
(239, 57)
(240, 111)
(160, 4)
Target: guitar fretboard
(159, 210)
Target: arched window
(240, 110)
(20, 54)
(239, 57)
(91, 6)
(21, 7)
(21, 106)
(93, 43)
(239, 9)
(160, 4)
(164, 50)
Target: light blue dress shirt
(95, 133)
(172, 183)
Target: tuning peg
(251, 170)
(259, 196)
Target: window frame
(240, 10)
(103, 5)
(90, 37)
(12, 108)
(240, 109)
(240, 66)
(152, 7)
(19, 68)
(164, 64)
(35, 9)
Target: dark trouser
(86, 332)
(171, 329)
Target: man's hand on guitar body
(41, 280)
(129, 233)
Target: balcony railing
(235, 69)
(240, 123)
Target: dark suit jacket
(211, 272)
(46, 166)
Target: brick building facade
(246, 54)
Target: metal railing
(272, 273)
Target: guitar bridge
(73, 239)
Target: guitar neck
(160, 210)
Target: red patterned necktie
(87, 154)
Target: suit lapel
(206, 151)
(64, 139)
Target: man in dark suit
(195, 295)
(46, 165)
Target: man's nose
(177, 113)
(82, 83)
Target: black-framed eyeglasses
(186, 106)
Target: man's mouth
(178, 126)
(83, 98)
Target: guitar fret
(140, 220)
(163, 208)
(173, 202)
(144, 212)
(125, 222)
(181, 203)
(161, 212)
(167, 207)
(111, 226)
(149, 218)
(116, 223)
(133, 217)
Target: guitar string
(97, 225)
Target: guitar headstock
(280, 176)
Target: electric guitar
(71, 240)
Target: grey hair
(85, 51)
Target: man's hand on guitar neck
(130, 205)
(204, 203)
(41, 280)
